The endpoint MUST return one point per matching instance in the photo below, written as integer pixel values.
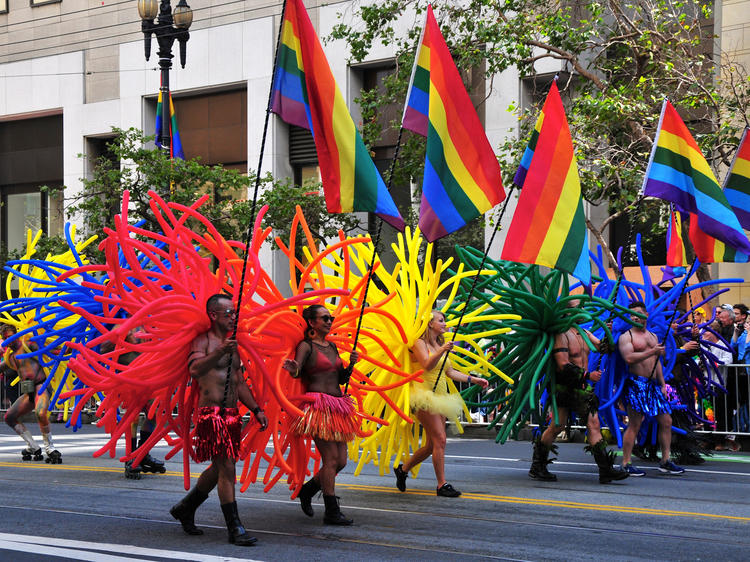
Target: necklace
(323, 345)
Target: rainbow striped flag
(528, 154)
(709, 249)
(549, 225)
(306, 94)
(462, 179)
(175, 144)
(675, 246)
(678, 172)
(737, 182)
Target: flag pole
(250, 226)
(476, 279)
(375, 248)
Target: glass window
(23, 213)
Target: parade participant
(218, 428)
(432, 407)
(328, 414)
(573, 393)
(148, 463)
(32, 377)
(645, 391)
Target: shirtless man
(573, 393)
(645, 392)
(217, 430)
(32, 377)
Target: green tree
(617, 60)
(133, 167)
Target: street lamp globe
(148, 9)
(182, 14)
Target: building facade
(70, 70)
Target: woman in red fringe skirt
(328, 416)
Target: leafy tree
(618, 62)
(133, 167)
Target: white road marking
(80, 550)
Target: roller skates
(132, 473)
(150, 464)
(29, 455)
(53, 457)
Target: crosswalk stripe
(80, 550)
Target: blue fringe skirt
(643, 395)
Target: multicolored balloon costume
(399, 306)
(39, 317)
(543, 301)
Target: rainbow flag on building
(175, 144)
(737, 182)
(549, 225)
(305, 94)
(678, 172)
(461, 179)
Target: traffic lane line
(466, 495)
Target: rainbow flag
(528, 154)
(305, 94)
(175, 144)
(462, 179)
(676, 258)
(675, 246)
(678, 172)
(737, 182)
(549, 225)
(709, 249)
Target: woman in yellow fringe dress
(433, 407)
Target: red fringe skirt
(215, 435)
(327, 417)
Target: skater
(32, 377)
(148, 463)
(219, 424)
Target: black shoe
(184, 511)
(333, 515)
(237, 533)
(448, 491)
(306, 493)
(401, 476)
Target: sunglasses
(227, 312)
(326, 318)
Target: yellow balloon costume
(399, 306)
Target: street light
(169, 26)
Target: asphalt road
(85, 509)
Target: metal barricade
(731, 411)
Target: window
(31, 150)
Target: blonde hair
(426, 335)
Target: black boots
(306, 493)
(237, 533)
(539, 462)
(401, 476)
(605, 461)
(333, 515)
(184, 511)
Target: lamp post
(168, 27)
